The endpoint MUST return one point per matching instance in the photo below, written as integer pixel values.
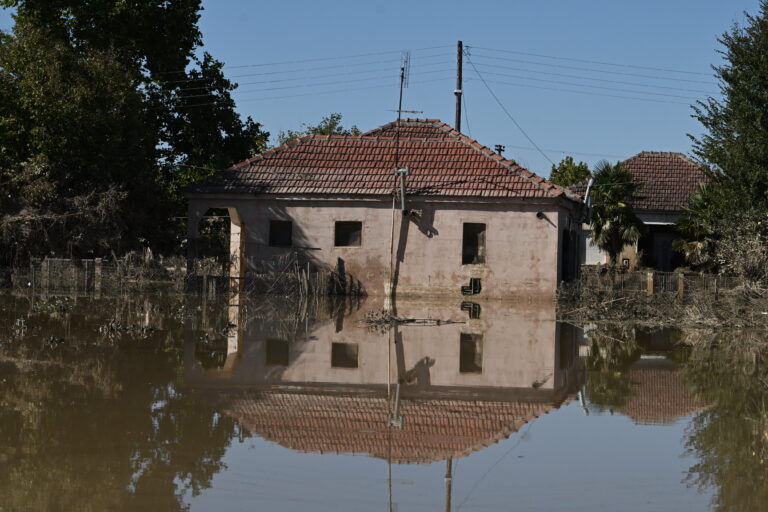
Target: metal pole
(458, 91)
(448, 483)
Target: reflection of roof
(659, 395)
(668, 179)
(449, 165)
(434, 429)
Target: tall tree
(614, 225)
(568, 172)
(735, 141)
(106, 95)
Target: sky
(593, 79)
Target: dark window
(344, 355)
(473, 244)
(471, 353)
(280, 233)
(278, 352)
(348, 233)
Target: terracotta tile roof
(660, 396)
(415, 129)
(454, 165)
(669, 180)
(435, 429)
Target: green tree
(328, 125)
(568, 172)
(107, 95)
(614, 224)
(735, 141)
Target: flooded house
(456, 218)
(667, 181)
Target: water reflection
(337, 385)
(134, 403)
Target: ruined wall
(522, 242)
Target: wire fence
(649, 283)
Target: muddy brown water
(167, 402)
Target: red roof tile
(668, 179)
(450, 165)
(434, 429)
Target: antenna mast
(401, 173)
(458, 92)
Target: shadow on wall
(280, 260)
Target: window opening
(348, 234)
(278, 352)
(473, 244)
(280, 233)
(344, 355)
(471, 353)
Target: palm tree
(614, 224)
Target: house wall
(523, 250)
(522, 347)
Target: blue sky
(545, 61)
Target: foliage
(614, 225)
(612, 350)
(568, 173)
(328, 125)
(735, 142)
(109, 97)
(730, 439)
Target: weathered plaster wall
(522, 347)
(523, 249)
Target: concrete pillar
(237, 237)
(649, 284)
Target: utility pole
(458, 91)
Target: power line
(507, 111)
(318, 59)
(571, 84)
(588, 61)
(562, 151)
(314, 77)
(336, 91)
(301, 86)
(593, 70)
(589, 93)
(602, 80)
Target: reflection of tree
(612, 350)
(730, 440)
(99, 425)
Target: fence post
(97, 276)
(716, 289)
(649, 284)
(680, 285)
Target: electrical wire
(469, 60)
(602, 95)
(589, 61)
(571, 84)
(336, 91)
(601, 80)
(593, 70)
(318, 59)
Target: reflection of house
(668, 181)
(470, 213)
(332, 389)
(659, 393)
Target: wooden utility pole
(458, 91)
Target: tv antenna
(401, 173)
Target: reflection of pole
(448, 483)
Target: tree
(328, 125)
(614, 225)
(735, 142)
(102, 96)
(568, 173)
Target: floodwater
(169, 402)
